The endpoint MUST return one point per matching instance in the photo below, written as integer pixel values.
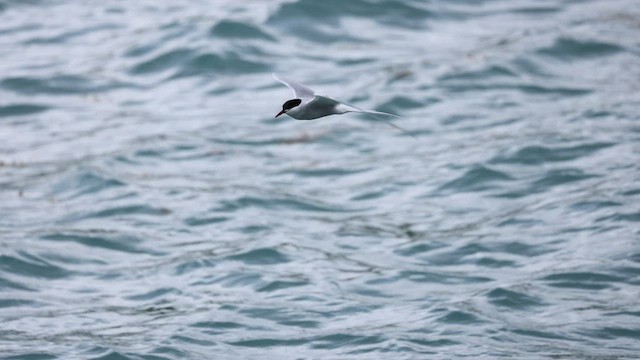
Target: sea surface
(152, 207)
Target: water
(152, 208)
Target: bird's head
(288, 105)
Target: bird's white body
(314, 106)
(319, 106)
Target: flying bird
(306, 105)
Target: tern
(307, 105)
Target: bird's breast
(313, 109)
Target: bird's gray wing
(300, 91)
(372, 112)
(345, 108)
(328, 105)
(342, 108)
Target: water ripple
(238, 30)
(567, 49)
(535, 155)
(187, 62)
(21, 109)
(476, 179)
(56, 85)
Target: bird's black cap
(288, 105)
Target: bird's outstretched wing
(345, 108)
(374, 112)
(300, 91)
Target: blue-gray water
(152, 208)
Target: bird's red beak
(280, 113)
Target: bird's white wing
(300, 91)
(345, 108)
(374, 112)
